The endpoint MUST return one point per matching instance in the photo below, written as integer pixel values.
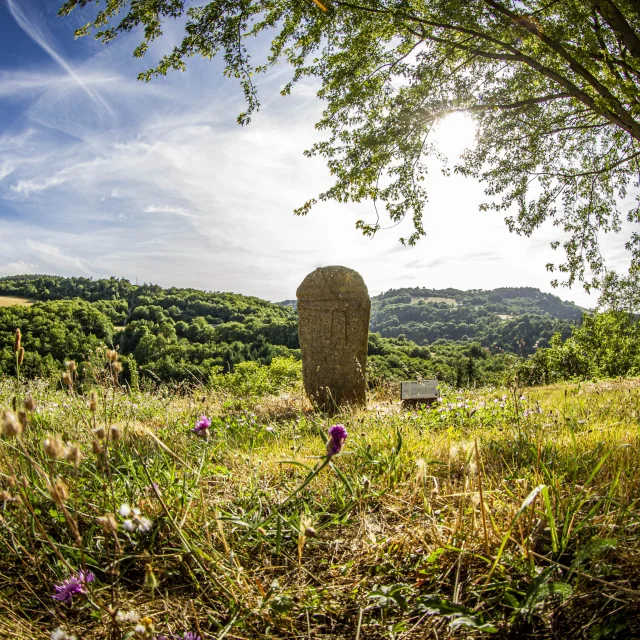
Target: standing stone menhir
(334, 309)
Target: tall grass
(497, 512)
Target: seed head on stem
(30, 403)
(11, 426)
(54, 447)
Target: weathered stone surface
(334, 309)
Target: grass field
(10, 301)
(450, 301)
(496, 513)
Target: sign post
(413, 392)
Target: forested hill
(511, 319)
(174, 334)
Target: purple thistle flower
(202, 424)
(337, 436)
(73, 586)
(191, 635)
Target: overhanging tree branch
(624, 116)
(595, 172)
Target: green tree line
(185, 335)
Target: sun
(454, 133)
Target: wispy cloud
(38, 34)
(5, 170)
(177, 211)
(53, 256)
(27, 187)
(15, 84)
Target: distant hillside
(505, 300)
(509, 319)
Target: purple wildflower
(73, 586)
(337, 436)
(191, 635)
(202, 424)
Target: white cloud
(5, 170)
(52, 256)
(17, 268)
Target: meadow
(12, 301)
(216, 511)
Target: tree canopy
(552, 85)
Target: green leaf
(434, 555)
(472, 622)
(435, 605)
(281, 604)
(388, 595)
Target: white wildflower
(61, 634)
(137, 522)
(127, 616)
(144, 524)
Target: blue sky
(103, 175)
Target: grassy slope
(404, 508)
(10, 301)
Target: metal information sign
(425, 390)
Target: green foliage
(251, 379)
(52, 333)
(180, 335)
(606, 345)
(552, 87)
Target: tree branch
(618, 115)
(624, 117)
(614, 18)
(582, 174)
(518, 104)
